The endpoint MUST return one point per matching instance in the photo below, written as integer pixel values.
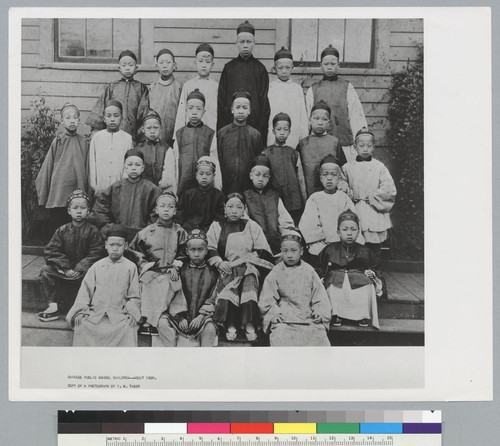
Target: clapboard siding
(82, 85)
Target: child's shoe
(337, 322)
(250, 333)
(363, 323)
(50, 314)
(231, 333)
(147, 330)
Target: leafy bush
(406, 117)
(37, 133)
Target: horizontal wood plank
(406, 39)
(404, 53)
(222, 50)
(30, 22)
(30, 32)
(208, 35)
(30, 47)
(259, 24)
(406, 25)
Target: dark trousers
(52, 280)
(376, 250)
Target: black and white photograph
(241, 181)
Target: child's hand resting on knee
(174, 275)
(183, 325)
(370, 274)
(196, 322)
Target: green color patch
(337, 428)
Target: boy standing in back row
(347, 115)
(248, 73)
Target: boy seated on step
(107, 308)
(194, 325)
(73, 248)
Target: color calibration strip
(335, 422)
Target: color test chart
(247, 428)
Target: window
(353, 38)
(95, 40)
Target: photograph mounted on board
(222, 182)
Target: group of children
(204, 229)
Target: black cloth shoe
(47, 317)
(337, 322)
(363, 323)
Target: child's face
(127, 67)
(196, 250)
(235, 209)
(348, 232)
(291, 252)
(134, 166)
(319, 121)
(166, 65)
(112, 117)
(281, 131)
(329, 176)
(116, 247)
(260, 176)
(283, 69)
(78, 209)
(245, 43)
(365, 146)
(241, 109)
(204, 61)
(151, 129)
(165, 208)
(71, 119)
(330, 65)
(195, 109)
(205, 176)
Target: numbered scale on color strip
(250, 440)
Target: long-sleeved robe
(71, 247)
(191, 143)
(373, 192)
(266, 208)
(106, 158)
(312, 150)
(250, 75)
(237, 147)
(352, 294)
(287, 176)
(126, 202)
(198, 283)
(133, 95)
(164, 98)
(243, 244)
(160, 246)
(209, 88)
(64, 169)
(348, 116)
(288, 97)
(319, 220)
(159, 163)
(109, 303)
(198, 208)
(297, 296)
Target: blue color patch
(381, 428)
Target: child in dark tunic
(318, 145)
(64, 169)
(237, 145)
(159, 158)
(287, 176)
(132, 94)
(72, 250)
(129, 201)
(265, 206)
(193, 141)
(248, 73)
(194, 326)
(347, 116)
(202, 205)
(350, 280)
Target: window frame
(363, 65)
(91, 60)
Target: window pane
(125, 36)
(304, 40)
(72, 38)
(331, 32)
(358, 40)
(99, 32)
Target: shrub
(406, 117)
(37, 133)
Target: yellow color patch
(294, 428)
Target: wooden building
(72, 59)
